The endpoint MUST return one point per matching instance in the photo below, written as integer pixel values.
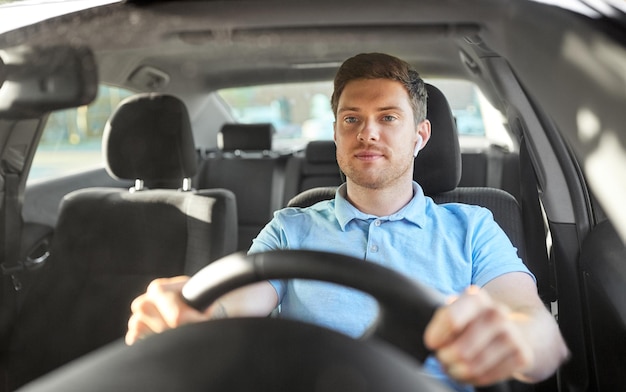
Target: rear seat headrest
(438, 165)
(149, 137)
(245, 137)
(321, 151)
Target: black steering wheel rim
(405, 306)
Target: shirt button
(374, 248)
(377, 222)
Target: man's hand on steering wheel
(160, 308)
(477, 340)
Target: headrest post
(138, 186)
(186, 184)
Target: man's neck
(379, 202)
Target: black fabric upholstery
(82, 300)
(245, 137)
(438, 165)
(311, 196)
(321, 151)
(149, 137)
(316, 167)
(252, 180)
(109, 243)
(246, 166)
(152, 229)
(477, 161)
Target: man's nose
(369, 132)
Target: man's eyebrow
(385, 108)
(381, 109)
(348, 109)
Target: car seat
(109, 243)
(314, 167)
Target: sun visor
(36, 80)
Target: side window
(478, 122)
(71, 140)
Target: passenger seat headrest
(437, 168)
(149, 137)
(245, 137)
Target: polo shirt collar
(413, 212)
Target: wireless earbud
(418, 145)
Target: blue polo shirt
(447, 247)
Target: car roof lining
(247, 26)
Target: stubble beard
(374, 178)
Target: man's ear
(423, 130)
(335, 131)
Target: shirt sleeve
(269, 239)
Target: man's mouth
(369, 155)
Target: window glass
(464, 102)
(71, 140)
(301, 112)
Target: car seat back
(314, 167)
(109, 243)
(246, 165)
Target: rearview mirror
(36, 80)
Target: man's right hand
(160, 308)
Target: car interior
(185, 177)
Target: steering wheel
(405, 306)
(269, 354)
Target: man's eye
(389, 118)
(350, 120)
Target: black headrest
(245, 137)
(321, 151)
(149, 137)
(438, 165)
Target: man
(496, 326)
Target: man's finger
(451, 319)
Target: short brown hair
(382, 66)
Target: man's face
(375, 133)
